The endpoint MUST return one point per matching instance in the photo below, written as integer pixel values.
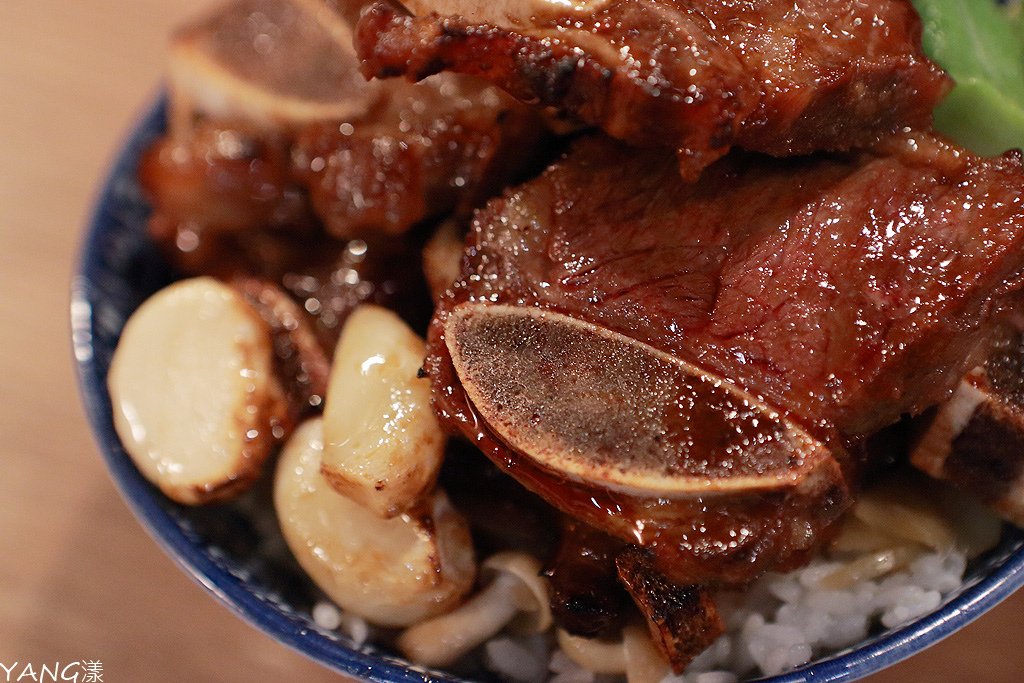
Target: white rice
(524, 660)
(786, 620)
(780, 622)
(329, 617)
(326, 615)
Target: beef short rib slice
(700, 76)
(608, 422)
(689, 366)
(275, 64)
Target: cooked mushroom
(515, 595)
(192, 386)
(391, 572)
(633, 654)
(594, 654)
(382, 444)
(644, 663)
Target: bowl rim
(1002, 579)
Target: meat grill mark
(682, 620)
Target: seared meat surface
(700, 76)
(444, 145)
(587, 598)
(223, 178)
(808, 302)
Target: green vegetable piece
(983, 49)
(981, 118)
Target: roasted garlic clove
(195, 400)
(391, 572)
(302, 366)
(382, 443)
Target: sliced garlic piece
(195, 400)
(908, 514)
(392, 572)
(856, 536)
(383, 446)
(869, 566)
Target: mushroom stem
(594, 655)
(443, 640)
(634, 655)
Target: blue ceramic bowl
(219, 546)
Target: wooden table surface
(79, 578)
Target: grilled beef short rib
(689, 367)
(699, 76)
